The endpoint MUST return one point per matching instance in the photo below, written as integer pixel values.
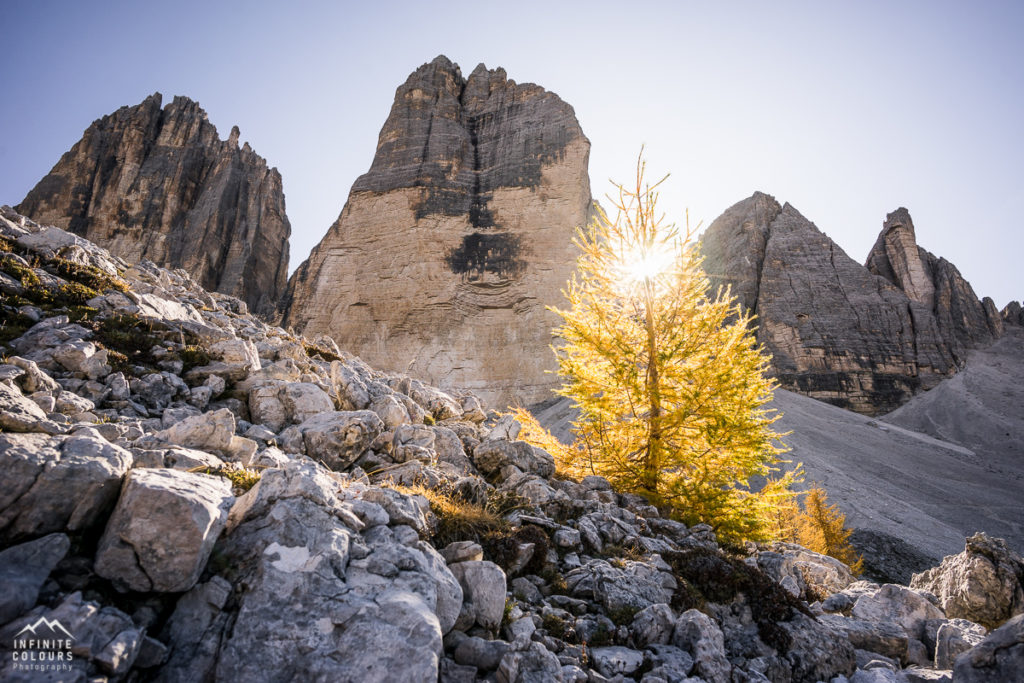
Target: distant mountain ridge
(158, 183)
(449, 249)
(866, 338)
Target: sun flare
(645, 263)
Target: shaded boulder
(24, 569)
(52, 484)
(999, 657)
(338, 438)
(321, 603)
(213, 431)
(483, 589)
(984, 583)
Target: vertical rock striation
(935, 285)
(451, 245)
(863, 338)
(158, 183)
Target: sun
(645, 263)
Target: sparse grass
(129, 335)
(601, 637)
(554, 625)
(89, 276)
(193, 357)
(623, 616)
(462, 520)
(506, 614)
(457, 519)
(620, 553)
(23, 274)
(314, 350)
(242, 478)
(555, 581)
(13, 325)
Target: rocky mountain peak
(158, 183)
(453, 243)
(862, 337)
(934, 284)
(898, 259)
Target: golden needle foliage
(669, 381)
(822, 528)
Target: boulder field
(190, 494)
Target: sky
(846, 110)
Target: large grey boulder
(632, 585)
(815, 652)
(616, 660)
(321, 602)
(884, 637)
(984, 583)
(483, 588)
(24, 569)
(900, 605)
(277, 404)
(338, 438)
(21, 414)
(213, 431)
(50, 484)
(103, 637)
(163, 529)
(998, 658)
(529, 662)
(490, 456)
(954, 637)
(653, 624)
(815, 575)
(194, 632)
(697, 634)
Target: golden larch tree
(822, 528)
(669, 381)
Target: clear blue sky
(846, 110)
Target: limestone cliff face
(450, 247)
(863, 338)
(934, 284)
(158, 183)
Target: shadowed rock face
(452, 244)
(935, 285)
(160, 184)
(863, 338)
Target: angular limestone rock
(52, 484)
(984, 583)
(23, 571)
(483, 588)
(163, 529)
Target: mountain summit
(158, 183)
(863, 338)
(451, 246)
